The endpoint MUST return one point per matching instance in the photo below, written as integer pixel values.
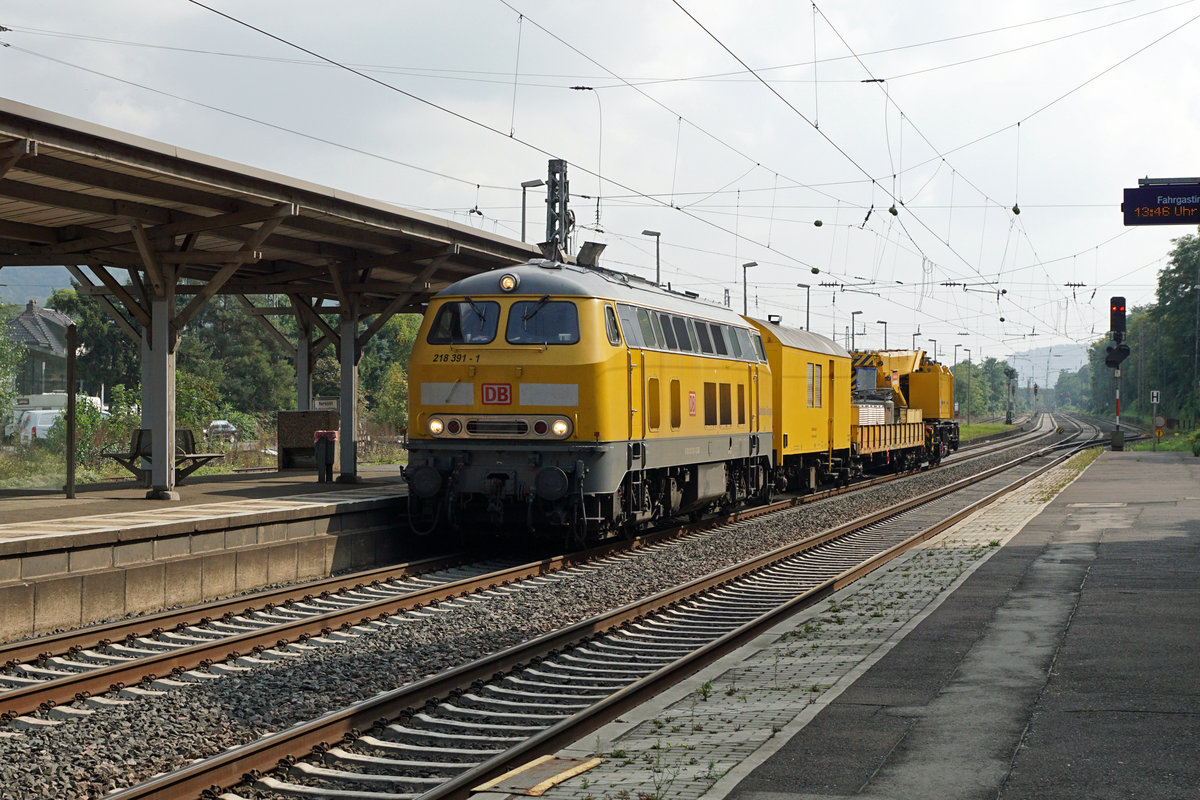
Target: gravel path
(118, 747)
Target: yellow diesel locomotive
(584, 401)
(580, 401)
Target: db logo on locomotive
(497, 394)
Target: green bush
(89, 433)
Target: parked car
(36, 424)
(221, 430)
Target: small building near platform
(43, 334)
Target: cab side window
(649, 335)
(610, 326)
(629, 325)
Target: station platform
(111, 552)
(1044, 647)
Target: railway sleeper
(71, 664)
(502, 703)
(44, 673)
(618, 652)
(28, 723)
(303, 769)
(431, 734)
(590, 671)
(581, 681)
(524, 684)
(675, 631)
(340, 757)
(531, 695)
(69, 713)
(630, 656)
(9, 682)
(434, 754)
(267, 783)
(458, 717)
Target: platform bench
(187, 460)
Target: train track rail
(443, 735)
(163, 651)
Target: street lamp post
(853, 314)
(657, 260)
(745, 295)
(883, 322)
(527, 185)
(807, 303)
(599, 147)
(967, 350)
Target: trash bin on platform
(324, 451)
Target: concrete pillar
(160, 398)
(349, 366)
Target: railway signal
(1116, 318)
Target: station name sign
(1162, 204)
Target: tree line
(1164, 341)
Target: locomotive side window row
(658, 330)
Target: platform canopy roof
(135, 213)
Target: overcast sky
(780, 133)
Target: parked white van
(36, 423)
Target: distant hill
(1041, 365)
(21, 284)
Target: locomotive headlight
(560, 427)
(436, 426)
(509, 282)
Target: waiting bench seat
(187, 460)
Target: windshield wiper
(479, 312)
(531, 313)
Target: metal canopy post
(161, 395)
(349, 368)
(149, 409)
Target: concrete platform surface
(1039, 649)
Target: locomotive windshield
(543, 322)
(465, 322)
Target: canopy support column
(159, 399)
(348, 353)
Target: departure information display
(1162, 204)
